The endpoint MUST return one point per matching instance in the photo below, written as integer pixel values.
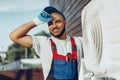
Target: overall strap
(58, 56)
(74, 48)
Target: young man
(60, 54)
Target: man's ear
(65, 22)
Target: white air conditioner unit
(101, 37)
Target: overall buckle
(69, 57)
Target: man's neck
(64, 36)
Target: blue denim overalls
(63, 67)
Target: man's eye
(58, 21)
(50, 23)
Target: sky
(14, 13)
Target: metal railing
(21, 64)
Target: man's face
(57, 25)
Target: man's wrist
(37, 21)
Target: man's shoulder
(78, 37)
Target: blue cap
(51, 9)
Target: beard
(59, 35)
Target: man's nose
(54, 25)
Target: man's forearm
(20, 36)
(22, 30)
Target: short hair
(51, 10)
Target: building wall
(72, 11)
